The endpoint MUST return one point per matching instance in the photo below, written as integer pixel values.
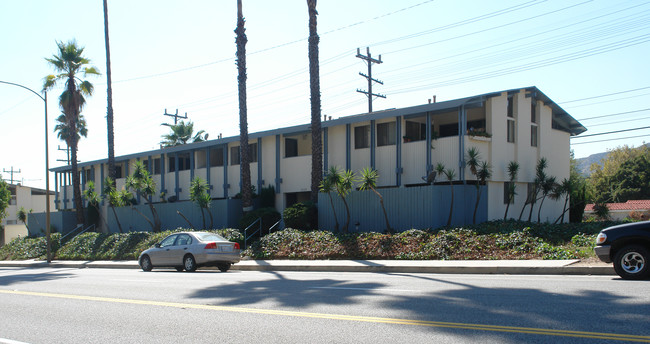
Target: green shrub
(29, 248)
(301, 215)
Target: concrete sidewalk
(514, 267)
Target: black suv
(628, 247)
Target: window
(533, 135)
(183, 162)
(533, 115)
(508, 189)
(235, 157)
(511, 131)
(156, 166)
(119, 168)
(87, 176)
(169, 241)
(183, 239)
(530, 195)
(362, 137)
(12, 201)
(447, 130)
(290, 147)
(511, 107)
(386, 134)
(216, 157)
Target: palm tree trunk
(203, 217)
(185, 218)
(145, 217)
(109, 98)
(314, 87)
(347, 219)
(156, 219)
(211, 219)
(381, 201)
(243, 112)
(119, 225)
(76, 182)
(564, 210)
(451, 207)
(336, 220)
(522, 211)
(478, 198)
(539, 210)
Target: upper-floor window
(511, 130)
(216, 157)
(511, 106)
(533, 114)
(235, 157)
(155, 168)
(183, 162)
(119, 170)
(386, 134)
(362, 137)
(533, 135)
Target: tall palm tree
(69, 62)
(63, 130)
(513, 170)
(109, 100)
(368, 180)
(314, 88)
(182, 133)
(244, 163)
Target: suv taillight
(211, 245)
(601, 238)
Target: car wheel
(179, 268)
(189, 263)
(224, 267)
(145, 263)
(631, 262)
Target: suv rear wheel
(631, 262)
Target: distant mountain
(585, 163)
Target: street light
(47, 172)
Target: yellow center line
(477, 327)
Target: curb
(348, 266)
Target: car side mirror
(157, 245)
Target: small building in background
(634, 209)
(31, 199)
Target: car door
(161, 256)
(178, 250)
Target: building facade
(404, 145)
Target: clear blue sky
(588, 56)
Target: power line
(614, 114)
(620, 138)
(609, 101)
(617, 122)
(604, 95)
(609, 132)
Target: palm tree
(328, 185)
(540, 178)
(450, 174)
(484, 172)
(182, 133)
(240, 40)
(547, 188)
(481, 170)
(143, 185)
(93, 199)
(115, 198)
(513, 170)
(201, 197)
(70, 62)
(343, 183)
(22, 215)
(63, 129)
(109, 100)
(368, 180)
(314, 88)
(563, 189)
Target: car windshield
(209, 237)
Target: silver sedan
(191, 250)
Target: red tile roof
(643, 204)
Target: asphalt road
(130, 306)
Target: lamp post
(47, 172)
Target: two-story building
(403, 145)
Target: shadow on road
(519, 304)
(11, 277)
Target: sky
(590, 57)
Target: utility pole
(176, 116)
(369, 60)
(11, 173)
(67, 150)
